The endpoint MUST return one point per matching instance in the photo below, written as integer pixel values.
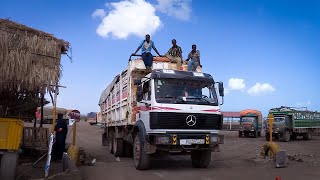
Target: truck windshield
(177, 91)
(279, 119)
(248, 119)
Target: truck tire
(286, 136)
(117, 146)
(111, 135)
(128, 149)
(201, 158)
(140, 157)
(240, 134)
(267, 136)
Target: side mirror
(137, 81)
(221, 89)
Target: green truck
(250, 123)
(289, 123)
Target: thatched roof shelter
(29, 58)
(29, 64)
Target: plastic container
(10, 133)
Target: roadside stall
(30, 67)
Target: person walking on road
(193, 58)
(175, 54)
(146, 46)
(61, 131)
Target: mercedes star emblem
(191, 120)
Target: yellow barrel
(10, 133)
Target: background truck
(290, 123)
(250, 123)
(92, 118)
(162, 110)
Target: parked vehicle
(289, 123)
(250, 123)
(162, 110)
(92, 118)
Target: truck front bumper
(184, 142)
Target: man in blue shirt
(146, 46)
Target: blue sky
(266, 52)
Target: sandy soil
(239, 159)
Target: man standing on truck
(146, 46)
(175, 54)
(193, 58)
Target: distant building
(231, 120)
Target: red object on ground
(278, 178)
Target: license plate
(191, 141)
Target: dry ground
(239, 159)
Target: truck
(250, 123)
(289, 123)
(148, 112)
(92, 118)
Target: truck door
(289, 122)
(145, 103)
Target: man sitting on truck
(146, 46)
(193, 58)
(175, 54)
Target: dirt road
(238, 159)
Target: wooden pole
(54, 109)
(42, 104)
(74, 130)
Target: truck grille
(171, 120)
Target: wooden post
(42, 104)
(54, 109)
(74, 130)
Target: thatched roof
(29, 58)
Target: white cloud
(128, 17)
(236, 84)
(99, 13)
(261, 89)
(181, 9)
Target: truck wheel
(140, 157)
(128, 149)
(286, 136)
(117, 146)
(240, 134)
(267, 136)
(201, 158)
(111, 134)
